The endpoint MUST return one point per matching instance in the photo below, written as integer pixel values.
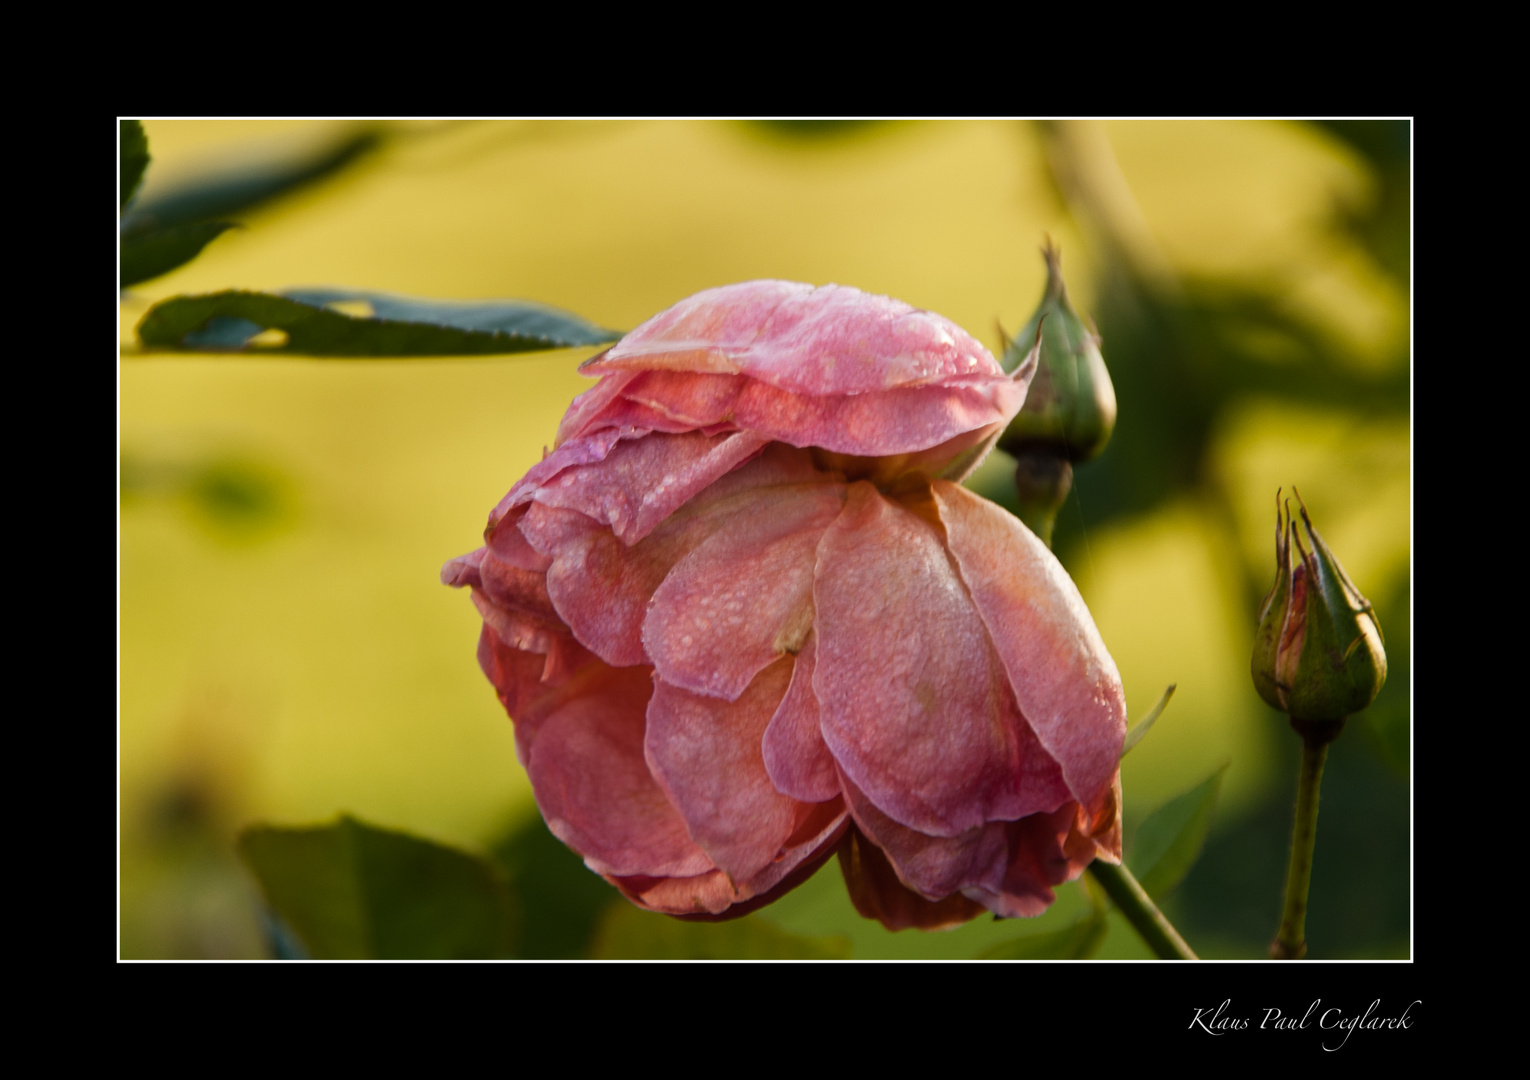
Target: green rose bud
(1070, 409)
(1318, 655)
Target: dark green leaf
(561, 898)
(229, 190)
(1169, 841)
(398, 326)
(629, 933)
(351, 890)
(133, 151)
(148, 255)
(1143, 726)
(1079, 941)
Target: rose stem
(1291, 939)
(1141, 912)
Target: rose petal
(895, 421)
(1064, 679)
(594, 788)
(877, 893)
(640, 482)
(744, 596)
(816, 342)
(796, 757)
(914, 705)
(532, 685)
(712, 898)
(601, 587)
(705, 753)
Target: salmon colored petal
(877, 893)
(933, 866)
(894, 421)
(601, 587)
(829, 340)
(744, 596)
(595, 790)
(796, 757)
(712, 897)
(705, 753)
(640, 482)
(1064, 680)
(914, 705)
(532, 685)
(586, 411)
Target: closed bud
(1318, 654)
(1070, 409)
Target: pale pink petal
(914, 705)
(877, 893)
(586, 411)
(712, 897)
(744, 597)
(640, 482)
(796, 757)
(601, 587)
(463, 570)
(896, 421)
(705, 753)
(532, 685)
(595, 790)
(933, 866)
(1064, 679)
(830, 340)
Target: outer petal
(1064, 680)
(601, 587)
(796, 757)
(1010, 867)
(915, 706)
(894, 421)
(712, 897)
(639, 482)
(595, 790)
(705, 753)
(744, 596)
(829, 340)
(877, 893)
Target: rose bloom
(744, 617)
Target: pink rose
(744, 617)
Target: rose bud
(1318, 652)
(1071, 407)
(744, 617)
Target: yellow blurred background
(312, 664)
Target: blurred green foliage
(355, 891)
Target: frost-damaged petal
(1064, 680)
(796, 757)
(830, 340)
(640, 482)
(1007, 866)
(914, 706)
(705, 753)
(744, 596)
(601, 587)
(587, 410)
(595, 790)
(896, 421)
(877, 893)
(712, 898)
(1040, 858)
(532, 685)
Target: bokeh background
(287, 653)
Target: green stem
(1291, 939)
(1141, 912)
